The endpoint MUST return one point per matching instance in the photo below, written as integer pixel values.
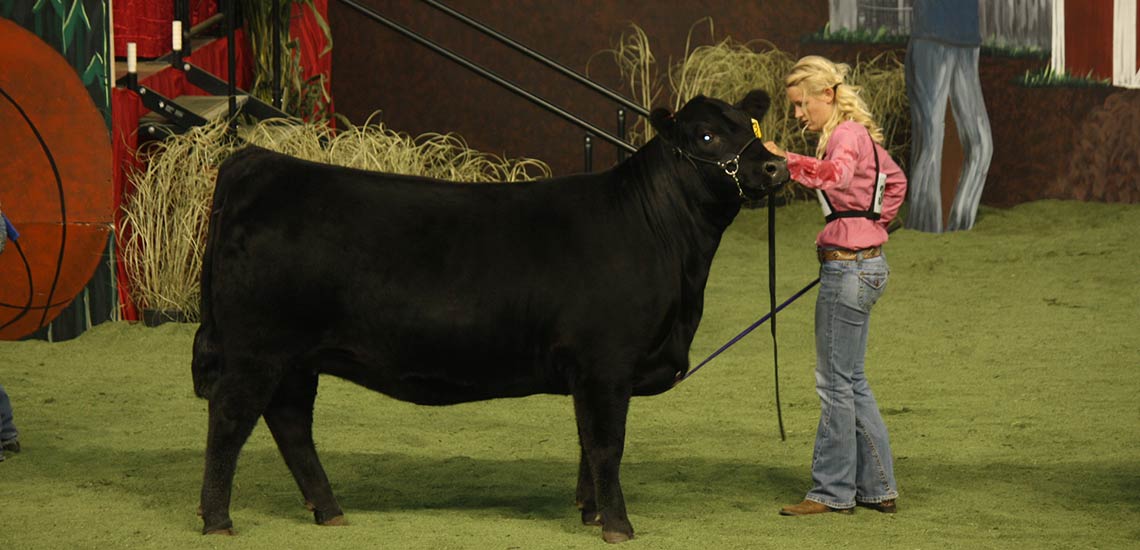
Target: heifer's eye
(706, 137)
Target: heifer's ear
(662, 121)
(755, 103)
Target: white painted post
(1057, 61)
(1124, 71)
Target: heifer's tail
(206, 367)
(207, 364)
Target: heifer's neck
(678, 204)
(675, 216)
(684, 219)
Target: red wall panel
(1088, 38)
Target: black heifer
(438, 293)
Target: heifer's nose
(777, 171)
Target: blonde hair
(814, 74)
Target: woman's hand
(775, 149)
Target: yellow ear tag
(756, 129)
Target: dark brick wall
(375, 68)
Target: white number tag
(880, 188)
(823, 203)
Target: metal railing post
(589, 154)
(179, 32)
(621, 132)
(182, 13)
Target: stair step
(148, 67)
(209, 107)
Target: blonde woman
(860, 189)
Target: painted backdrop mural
(54, 116)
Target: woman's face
(812, 110)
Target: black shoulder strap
(829, 212)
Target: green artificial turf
(1006, 360)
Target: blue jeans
(852, 457)
(7, 427)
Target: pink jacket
(846, 174)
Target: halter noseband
(730, 165)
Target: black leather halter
(730, 165)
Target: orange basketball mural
(55, 182)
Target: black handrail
(468, 64)
(568, 72)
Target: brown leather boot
(886, 506)
(809, 507)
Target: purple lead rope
(750, 328)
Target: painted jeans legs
(852, 457)
(935, 71)
(7, 426)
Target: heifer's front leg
(234, 408)
(290, 420)
(601, 410)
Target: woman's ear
(662, 121)
(828, 95)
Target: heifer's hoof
(335, 517)
(219, 528)
(335, 521)
(614, 537)
(591, 518)
(590, 515)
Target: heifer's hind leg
(585, 495)
(601, 410)
(238, 400)
(290, 420)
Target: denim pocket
(872, 283)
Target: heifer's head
(723, 142)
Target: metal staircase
(175, 115)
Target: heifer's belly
(432, 383)
(665, 365)
(657, 379)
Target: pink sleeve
(833, 173)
